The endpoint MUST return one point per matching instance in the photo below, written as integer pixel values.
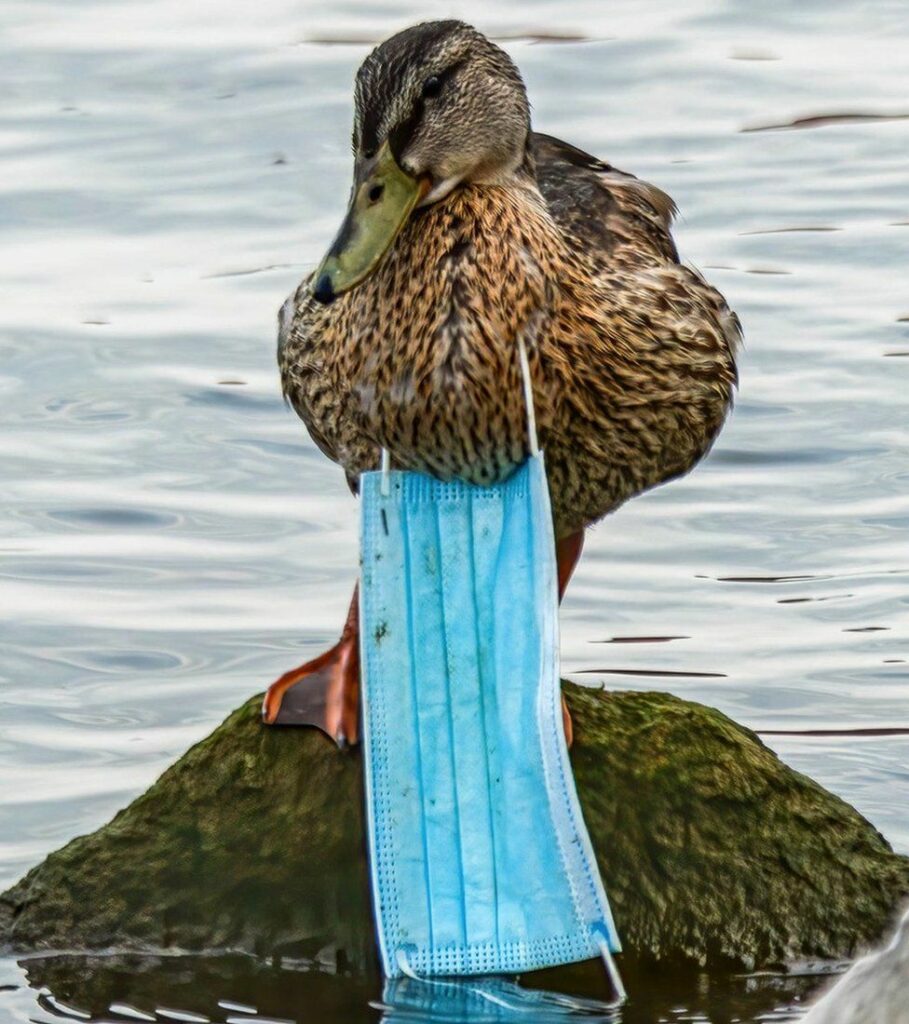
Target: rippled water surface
(170, 540)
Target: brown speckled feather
(632, 354)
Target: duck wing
(601, 209)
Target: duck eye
(432, 86)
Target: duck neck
(493, 246)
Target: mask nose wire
(532, 438)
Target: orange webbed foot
(323, 693)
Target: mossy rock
(711, 848)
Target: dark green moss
(710, 846)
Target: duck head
(436, 106)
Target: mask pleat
(516, 679)
(411, 851)
(445, 552)
(499, 695)
(477, 718)
(392, 766)
(521, 652)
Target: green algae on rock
(711, 848)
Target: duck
(467, 234)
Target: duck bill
(382, 200)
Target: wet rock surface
(711, 848)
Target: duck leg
(325, 692)
(568, 551)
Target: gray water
(170, 539)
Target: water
(170, 540)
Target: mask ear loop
(605, 952)
(404, 967)
(614, 977)
(386, 473)
(532, 438)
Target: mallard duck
(467, 231)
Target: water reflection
(485, 1001)
(233, 989)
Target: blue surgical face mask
(481, 863)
